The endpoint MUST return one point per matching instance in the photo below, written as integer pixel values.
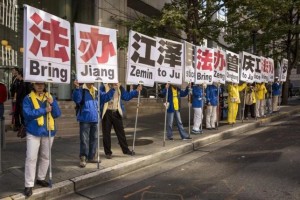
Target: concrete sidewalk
(69, 177)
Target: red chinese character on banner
(89, 51)
(265, 65)
(205, 59)
(219, 59)
(51, 33)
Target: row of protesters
(39, 109)
(3, 98)
(173, 110)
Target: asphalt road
(263, 164)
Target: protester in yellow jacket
(250, 101)
(260, 91)
(234, 100)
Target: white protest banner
(257, 72)
(189, 69)
(96, 54)
(141, 59)
(204, 63)
(170, 61)
(232, 71)
(47, 55)
(283, 70)
(247, 67)
(219, 66)
(264, 69)
(271, 70)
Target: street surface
(262, 164)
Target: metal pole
(166, 105)
(202, 106)
(135, 125)
(189, 104)
(49, 139)
(99, 122)
(218, 104)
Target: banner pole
(49, 139)
(98, 79)
(218, 109)
(202, 107)
(244, 104)
(189, 104)
(136, 120)
(166, 106)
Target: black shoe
(188, 138)
(28, 191)
(131, 153)
(108, 156)
(42, 183)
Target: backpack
(78, 106)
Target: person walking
(112, 116)
(174, 95)
(276, 90)
(250, 101)
(234, 100)
(3, 98)
(86, 97)
(39, 109)
(197, 104)
(211, 105)
(260, 93)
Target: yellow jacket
(233, 92)
(260, 91)
(250, 97)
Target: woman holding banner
(174, 95)
(260, 92)
(234, 100)
(39, 109)
(197, 101)
(212, 104)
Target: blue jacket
(276, 89)
(182, 93)
(124, 95)
(212, 95)
(89, 110)
(31, 114)
(197, 96)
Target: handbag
(22, 132)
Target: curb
(82, 182)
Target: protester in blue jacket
(39, 109)
(197, 104)
(112, 114)
(212, 104)
(174, 94)
(276, 90)
(87, 99)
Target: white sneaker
(82, 161)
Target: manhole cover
(139, 142)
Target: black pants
(113, 118)
(252, 110)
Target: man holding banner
(197, 103)
(276, 90)
(87, 116)
(212, 104)
(112, 114)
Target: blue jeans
(170, 118)
(88, 139)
